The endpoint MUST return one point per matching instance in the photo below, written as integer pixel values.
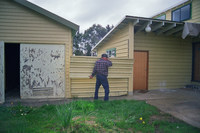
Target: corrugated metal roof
(48, 14)
(140, 23)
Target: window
(111, 52)
(185, 12)
(181, 14)
(176, 15)
(162, 17)
(94, 53)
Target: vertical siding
(170, 60)
(81, 68)
(22, 25)
(68, 54)
(118, 41)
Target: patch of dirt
(76, 118)
(92, 123)
(89, 120)
(163, 117)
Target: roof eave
(170, 25)
(111, 31)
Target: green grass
(86, 116)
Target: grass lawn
(88, 116)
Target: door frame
(147, 72)
(193, 60)
(2, 99)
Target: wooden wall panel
(81, 68)
(195, 12)
(19, 24)
(168, 15)
(195, 18)
(118, 41)
(170, 60)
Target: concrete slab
(183, 104)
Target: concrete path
(183, 104)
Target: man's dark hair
(104, 55)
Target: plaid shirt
(101, 67)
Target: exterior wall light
(148, 28)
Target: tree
(83, 43)
(76, 44)
(108, 28)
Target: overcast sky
(85, 13)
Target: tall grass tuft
(64, 114)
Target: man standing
(101, 72)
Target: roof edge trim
(129, 19)
(108, 33)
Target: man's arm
(109, 63)
(93, 72)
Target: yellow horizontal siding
(20, 24)
(81, 68)
(195, 12)
(32, 25)
(196, 83)
(170, 60)
(8, 31)
(101, 94)
(118, 41)
(168, 15)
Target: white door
(2, 73)
(42, 71)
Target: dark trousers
(102, 80)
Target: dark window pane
(185, 12)
(107, 52)
(110, 53)
(176, 15)
(113, 53)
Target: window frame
(193, 60)
(111, 49)
(190, 13)
(161, 16)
